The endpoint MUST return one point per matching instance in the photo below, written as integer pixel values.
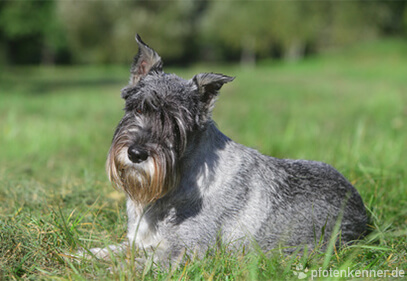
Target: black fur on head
(161, 111)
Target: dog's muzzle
(136, 154)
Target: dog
(190, 187)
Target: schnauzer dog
(190, 187)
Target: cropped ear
(146, 60)
(209, 84)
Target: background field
(348, 109)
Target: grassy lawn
(348, 109)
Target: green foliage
(187, 30)
(108, 34)
(405, 20)
(22, 18)
(31, 26)
(347, 109)
(289, 26)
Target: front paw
(88, 254)
(99, 253)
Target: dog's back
(309, 199)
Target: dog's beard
(144, 182)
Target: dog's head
(162, 111)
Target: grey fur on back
(235, 193)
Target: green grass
(348, 109)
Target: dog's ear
(209, 84)
(145, 61)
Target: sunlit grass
(348, 109)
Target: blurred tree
(258, 28)
(405, 20)
(187, 30)
(229, 28)
(88, 27)
(108, 35)
(347, 22)
(32, 31)
(390, 14)
(295, 26)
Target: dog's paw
(99, 253)
(84, 254)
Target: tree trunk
(295, 51)
(47, 55)
(248, 55)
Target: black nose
(137, 154)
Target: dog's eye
(138, 111)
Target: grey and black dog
(189, 187)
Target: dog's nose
(137, 154)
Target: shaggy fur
(190, 187)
